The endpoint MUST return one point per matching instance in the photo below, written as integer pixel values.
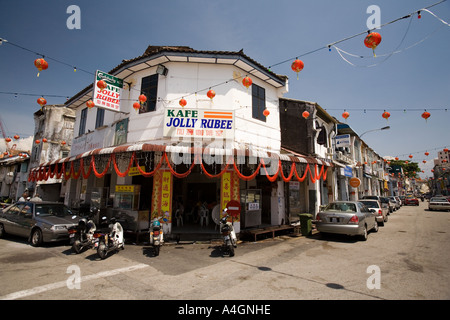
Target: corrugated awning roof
(147, 147)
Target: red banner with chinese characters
(229, 190)
(162, 196)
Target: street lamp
(384, 128)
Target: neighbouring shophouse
(178, 135)
(308, 131)
(357, 160)
(375, 172)
(440, 184)
(13, 174)
(53, 134)
(347, 159)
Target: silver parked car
(38, 221)
(439, 203)
(395, 202)
(346, 217)
(381, 212)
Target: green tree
(410, 169)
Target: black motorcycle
(110, 240)
(82, 235)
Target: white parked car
(439, 203)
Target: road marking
(62, 284)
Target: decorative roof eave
(157, 53)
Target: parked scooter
(82, 235)
(156, 236)
(229, 236)
(109, 241)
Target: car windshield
(341, 207)
(370, 204)
(59, 210)
(439, 200)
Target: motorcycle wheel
(101, 250)
(156, 250)
(76, 247)
(231, 250)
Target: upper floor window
(258, 102)
(100, 117)
(83, 119)
(149, 87)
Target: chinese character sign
(162, 196)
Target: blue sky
(269, 32)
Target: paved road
(407, 259)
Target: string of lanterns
(372, 41)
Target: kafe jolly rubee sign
(109, 97)
(198, 123)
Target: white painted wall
(184, 80)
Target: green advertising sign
(109, 97)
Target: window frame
(100, 118)
(83, 121)
(149, 88)
(258, 102)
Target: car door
(10, 218)
(369, 216)
(25, 220)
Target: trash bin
(306, 223)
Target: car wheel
(365, 235)
(2, 231)
(36, 238)
(375, 227)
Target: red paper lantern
(427, 153)
(17, 137)
(386, 115)
(396, 158)
(63, 143)
(142, 98)
(445, 150)
(410, 156)
(37, 141)
(40, 64)
(136, 106)
(372, 40)
(44, 140)
(297, 66)
(247, 82)
(182, 102)
(90, 104)
(8, 139)
(345, 115)
(424, 161)
(41, 101)
(305, 114)
(426, 115)
(266, 112)
(211, 94)
(101, 84)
